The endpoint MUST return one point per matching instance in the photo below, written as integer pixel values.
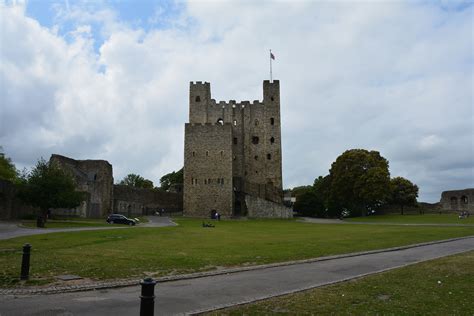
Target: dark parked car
(120, 219)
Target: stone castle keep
(232, 155)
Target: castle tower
(232, 155)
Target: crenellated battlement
(274, 82)
(234, 104)
(199, 83)
(208, 124)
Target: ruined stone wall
(94, 177)
(261, 208)
(255, 140)
(11, 207)
(138, 201)
(208, 169)
(458, 200)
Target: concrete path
(12, 229)
(208, 293)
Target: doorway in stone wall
(454, 203)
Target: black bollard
(147, 299)
(25, 262)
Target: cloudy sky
(110, 80)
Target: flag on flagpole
(272, 56)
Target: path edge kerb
(135, 282)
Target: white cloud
(395, 77)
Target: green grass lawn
(415, 219)
(135, 252)
(438, 287)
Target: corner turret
(199, 99)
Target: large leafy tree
(137, 181)
(309, 203)
(311, 200)
(403, 192)
(7, 168)
(175, 177)
(48, 186)
(360, 181)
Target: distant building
(458, 200)
(232, 155)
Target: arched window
(256, 122)
(269, 156)
(464, 199)
(235, 122)
(207, 153)
(198, 99)
(220, 121)
(272, 140)
(272, 121)
(255, 140)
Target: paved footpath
(207, 293)
(13, 229)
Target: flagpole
(271, 79)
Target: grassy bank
(415, 219)
(134, 252)
(438, 287)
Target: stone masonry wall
(208, 170)
(458, 200)
(137, 201)
(260, 208)
(11, 207)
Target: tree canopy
(137, 181)
(48, 186)
(359, 181)
(7, 168)
(171, 178)
(403, 192)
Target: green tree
(308, 203)
(7, 168)
(403, 192)
(137, 181)
(360, 181)
(175, 177)
(48, 186)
